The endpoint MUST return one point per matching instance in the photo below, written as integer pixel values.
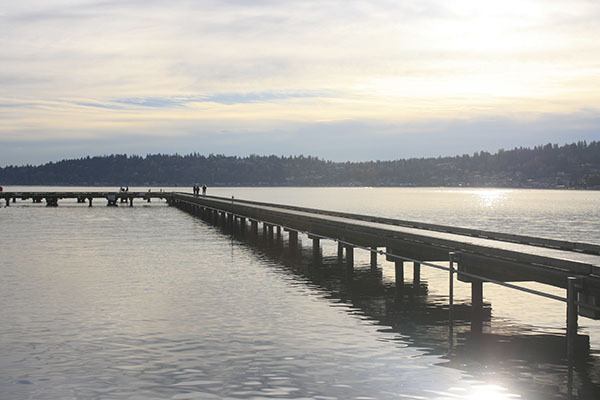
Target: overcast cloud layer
(340, 79)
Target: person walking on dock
(203, 190)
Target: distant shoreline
(568, 167)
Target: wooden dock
(113, 198)
(470, 255)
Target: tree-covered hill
(574, 165)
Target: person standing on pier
(203, 190)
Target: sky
(338, 79)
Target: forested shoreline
(575, 165)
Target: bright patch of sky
(281, 76)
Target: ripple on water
(151, 303)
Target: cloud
(80, 71)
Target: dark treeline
(574, 165)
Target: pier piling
(453, 257)
(572, 294)
(349, 257)
(373, 257)
(476, 306)
(399, 274)
(416, 274)
(293, 238)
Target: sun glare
(491, 198)
(490, 392)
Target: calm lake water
(151, 303)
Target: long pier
(469, 255)
(51, 198)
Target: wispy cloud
(228, 98)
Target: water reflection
(150, 302)
(519, 360)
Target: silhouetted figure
(1, 188)
(203, 190)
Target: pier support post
(264, 230)
(131, 202)
(14, 200)
(340, 251)
(293, 239)
(350, 257)
(373, 257)
(572, 289)
(416, 274)
(278, 232)
(51, 201)
(7, 202)
(90, 199)
(316, 244)
(243, 224)
(476, 306)
(254, 226)
(453, 257)
(399, 274)
(270, 231)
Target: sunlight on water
(489, 392)
(491, 198)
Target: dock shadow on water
(529, 364)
